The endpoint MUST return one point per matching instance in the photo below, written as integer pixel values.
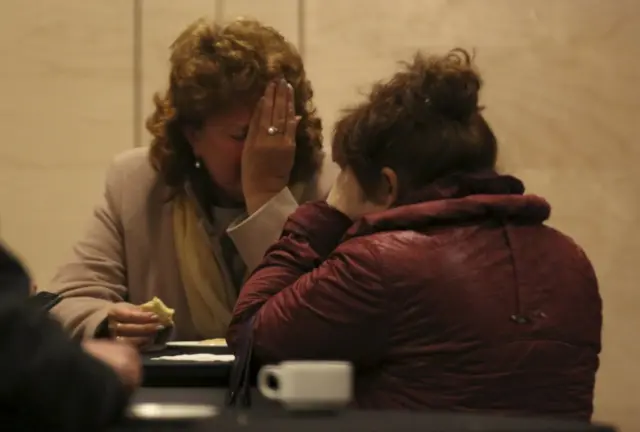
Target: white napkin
(198, 357)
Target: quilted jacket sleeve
(311, 301)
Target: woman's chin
(235, 194)
(228, 195)
(232, 198)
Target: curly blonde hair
(215, 68)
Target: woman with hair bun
(432, 273)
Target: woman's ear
(389, 187)
(193, 137)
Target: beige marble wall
(66, 108)
(562, 94)
(281, 14)
(561, 91)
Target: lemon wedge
(164, 313)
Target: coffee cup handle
(263, 381)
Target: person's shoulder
(133, 161)
(131, 167)
(365, 245)
(562, 244)
(132, 177)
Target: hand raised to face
(270, 147)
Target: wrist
(255, 201)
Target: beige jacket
(128, 253)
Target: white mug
(308, 385)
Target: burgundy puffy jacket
(463, 300)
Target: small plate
(199, 358)
(198, 344)
(165, 411)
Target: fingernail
(160, 327)
(153, 316)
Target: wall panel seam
(302, 28)
(138, 106)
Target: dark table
(267, 416)
(196, 395)
(388, 421)
(214, 396)
(206, 384)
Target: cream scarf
(210, 293)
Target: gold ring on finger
(273, 130)
(115, 327)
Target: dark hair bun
(448, 85)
